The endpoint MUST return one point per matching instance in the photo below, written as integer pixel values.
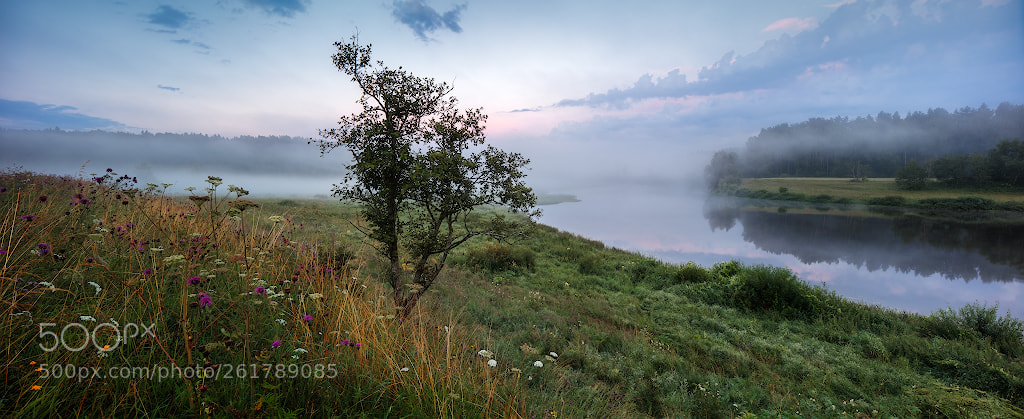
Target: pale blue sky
(682, 77)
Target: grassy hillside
(574, 329)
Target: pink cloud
(841, 3)
(791, 23)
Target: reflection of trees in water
(990, 252)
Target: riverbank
(879, 192)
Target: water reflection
(903, 262)
(986, 251)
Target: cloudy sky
(623, 88)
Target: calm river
(898, 261)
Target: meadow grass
(258, 313)
(574, 328)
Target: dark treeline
(280, 155)
(870, 146)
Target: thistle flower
(44, 249)
(276, 343)
(204, 300)
(29, 217)
(195, 280)
(307, 318)
(259, 290)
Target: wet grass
(575, 329)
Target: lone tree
(419, 169)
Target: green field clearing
(872, 188)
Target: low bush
(968, 203)
(690, 272)
(771, 288)
(497, 257)
(889, 201)
(1006, 333)
(725, 270)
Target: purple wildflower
(276, 343)
(259, 290)
(344, 342)
(44, 249)
(195, 280)
(147, 272)
(307, 318)
(204, 300)
(29, 217)
(89, 259)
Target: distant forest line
(967, 147)
(202, 153)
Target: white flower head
(553, 354)
(87, 318)
(492, 363)
(485, 353)
(404, 369)
(96, 286)
(538, 364)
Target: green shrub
(843, 200)
(889, 201)
(783, 189)
(692, 273)
(1006, 333)
(496, 257)
(968, 203)
(821, 199)
(772, 288)
(725, 270)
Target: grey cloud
(861, 36)
(173, 89)
(283, 8)
(30, 115)
(169, 18)
(423, 19)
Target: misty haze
(430, 208)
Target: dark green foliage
(843, 200)
(911, 177)
(783, 189)
(497, 257)
(969, 203)
(690, 272)
(651, 272)
(1006, 333)
(725, 270)
(888, 201)
(771, 288)
(821, 199)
